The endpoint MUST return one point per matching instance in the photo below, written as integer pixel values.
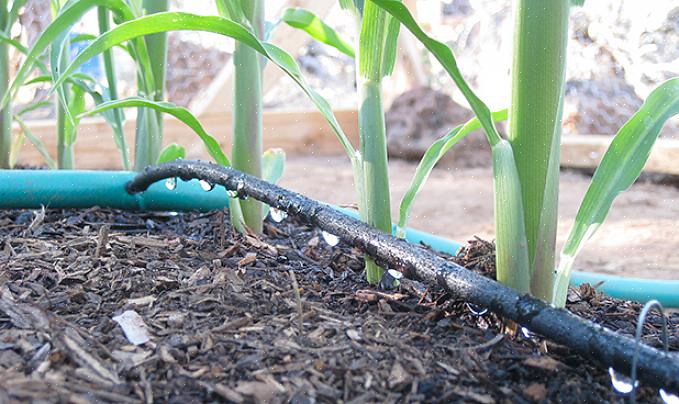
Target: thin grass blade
(180, 113)
(431, 157)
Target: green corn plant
(117, 115)
(149, 136)
(149, 102)
(133, 29)
(526, 166)
(10, 147)
(376, 56)
(247, 105)
(5, 113)
(149, 128)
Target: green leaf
(180, 113)
(431, 157)
(273, 165)
(620, 166)
(68, 16)
(310, 23)
(171, 152)
(232, 9)
(511, 253)
(377, 53)
(37, 143)
(76, 106)
(22, 49)
(354, 6)
(82, 38)
(15, 149)
(32, 107)
(446, 57)
(169, 21)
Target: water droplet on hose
(277, 215)
(331, 239)
(171, 183)
(476, 310)
(528, 334)
(668, 398)
(391, 279)
(239, 190)
(207, 186)
(620, 383)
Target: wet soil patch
(224, 321)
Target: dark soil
(224, 321)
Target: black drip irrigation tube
(592, 341)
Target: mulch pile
(282, 318)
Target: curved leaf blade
(180, 113)
(446, 57)
(273, 165)
(68, 16)
(173, 21)
(431, 157)
(310, 23)
(620, 167)
(37, 143)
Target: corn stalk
(5, 113)
(538, 77)
(247, 110)
(149, 129)
(376, 50)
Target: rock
(417, 118)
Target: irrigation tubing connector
(591, 341)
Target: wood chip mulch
(107, 306)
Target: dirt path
(638, 238)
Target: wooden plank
(217, 97)
(294, 131)
(297, 132)
(586, 151)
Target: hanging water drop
(668, 398)
(476, 310)
(277, 215)
(620, 383)
(391, 279)
(331, 239)
(207, 186)
(171, 183)
(528, 334)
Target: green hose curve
(30, 189)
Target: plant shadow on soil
(224, 320)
